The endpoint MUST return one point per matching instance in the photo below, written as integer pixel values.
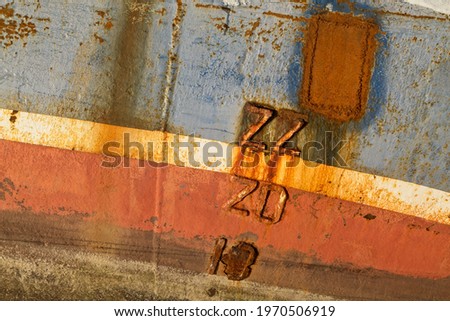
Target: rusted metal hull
(324, 245)
(357, 208)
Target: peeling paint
(14, 26)
(381, 192)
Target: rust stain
(105, 21)
(331, 181)
(13, 117)
(140, 11)
(172, 64)
(334, 182)
(162, 11)
(270, 200)
(284, 16)
(407, 15)
(222, 26)
(98, 38)
(7, 11)
(14, 26)
(108, 25)
(339, 57)
(254, 25)
(212, 6)
(127, 70)
(102, 14)
(276, 46)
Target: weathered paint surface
(190, 67)
(45, 276)
(344, 184)
(322, 244)
(188, 203)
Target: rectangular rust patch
(339, 56)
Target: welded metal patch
(339, 56)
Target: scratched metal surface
(190, 66)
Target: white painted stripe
(381, 192)
(437, 5)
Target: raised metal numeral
(272, 213)
(238, 260)
(216, 256)
(299, 122)
(266, 202)
(264, 116)
(232, 204)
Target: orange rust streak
(343, 184)
(284, 16)
(212, 6)
(407, 15)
